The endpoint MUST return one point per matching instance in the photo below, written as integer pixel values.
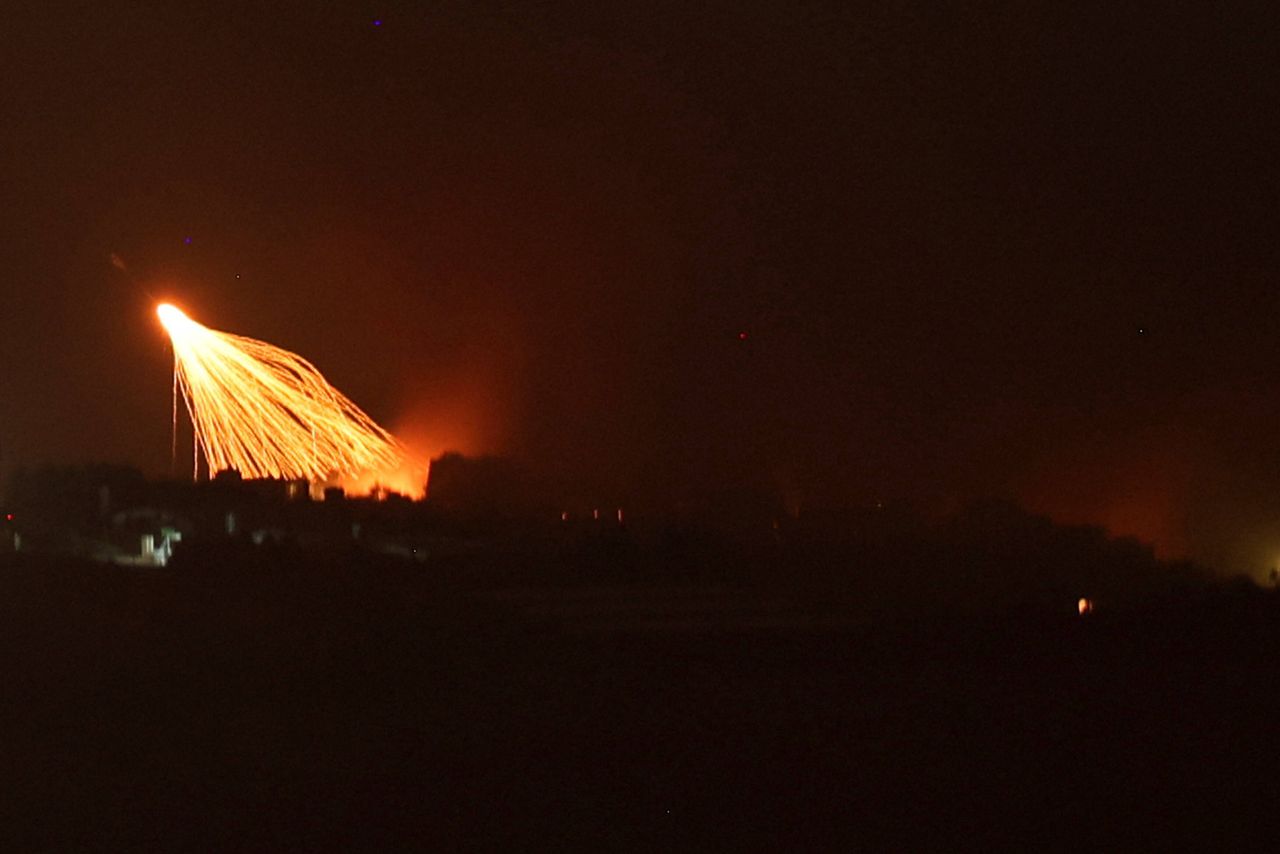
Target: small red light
(8, 517)
(742, 336)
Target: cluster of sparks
(269, 413)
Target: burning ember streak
(267, 412)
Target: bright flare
(267, 412)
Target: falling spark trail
(173, 441)
(267, 412)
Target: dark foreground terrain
(342, 705)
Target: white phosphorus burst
(267, 412)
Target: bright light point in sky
(169, 315)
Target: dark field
(345, 705)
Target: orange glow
(409, 480)
(436, 424)
(1085, 606)
(267, 412)
(1137, 488)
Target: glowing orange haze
(409, 480)
(1139, 489)
(427, 431)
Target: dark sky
(1015, 249)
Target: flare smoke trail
(267, 412)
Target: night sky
(836, 252)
